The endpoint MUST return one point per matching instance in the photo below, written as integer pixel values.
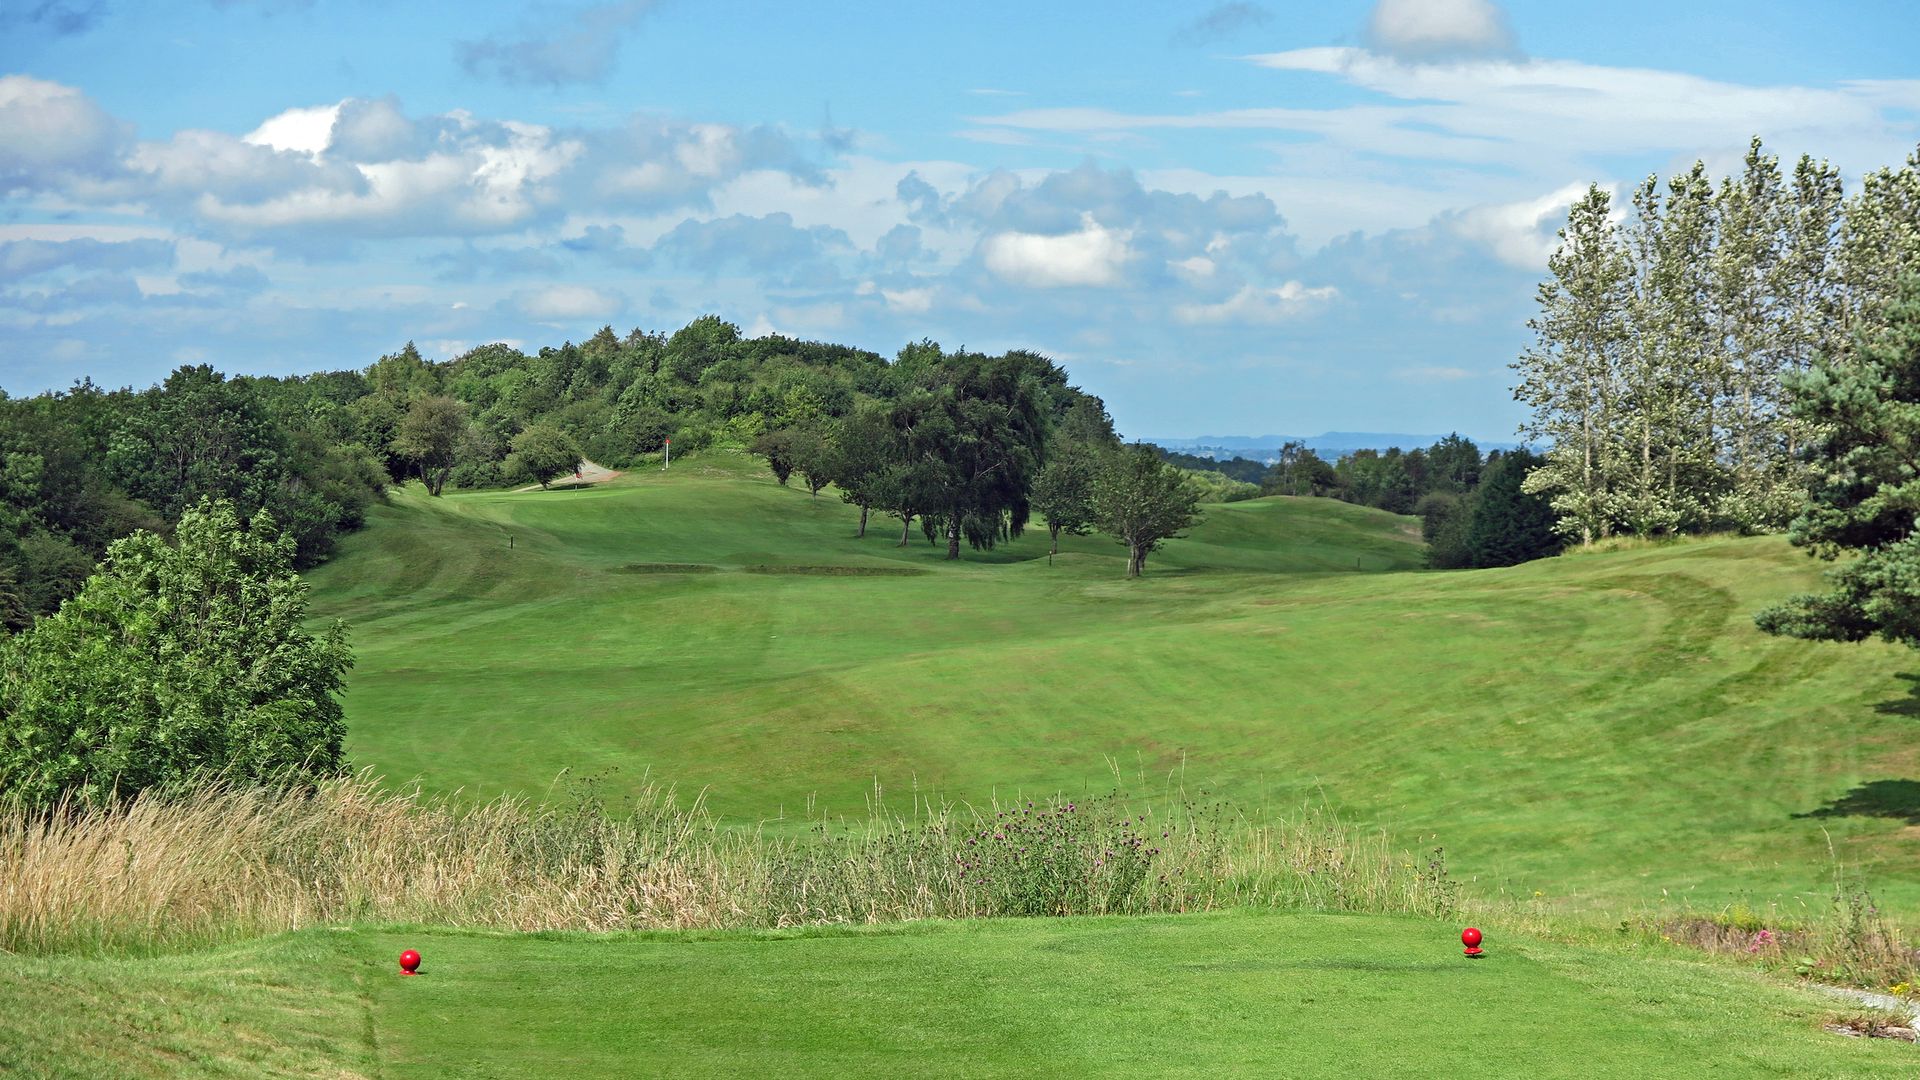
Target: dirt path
(589, 474)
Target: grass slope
(1219, 995)
(1608, 729)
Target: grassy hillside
(1607, 730)
(1219, 995)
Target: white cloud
(1498, 111)
(1094, 255)
(47, 130)
(1433, 374)
(307, 131)
(908, 301)
(1255, 305)
(1433, 29)
(1520, 234)
(563, 302)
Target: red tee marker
(409, 960)
(1470, 937)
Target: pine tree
(1866, 408)
(1506, 526)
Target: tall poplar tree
(1752, 210)
(1569, 376)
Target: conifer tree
(1866, 408)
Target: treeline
(83, 468)
(1662, 340)
(1473, 510)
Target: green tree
(1505, 524)
(977, 442)
(776, 446)
(1866, 409)
(198, 435)
(1142, 502)
(1570, 377)
(814, 457)
(861, 446)
(1444, 517)
(174, 660)
(541, 453)
(431, 435)
(1453, 464)
(1063, 492)
(1749, 257)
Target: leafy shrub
(173, 660)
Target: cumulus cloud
(908, 301)
(308, 131)
(765, 244)
(901, 246)
(93, 291)
(1520, 234)
(1258, 305)
(556, 303)
(51, 134)
(211, 170)
(583, 49)
(314, 178)
(650, 164)
(376, 130)
(1439, 29)
(1092, 256)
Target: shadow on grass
(1906, 706)
(1897, 799)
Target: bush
(171, 662)
(1217, 487)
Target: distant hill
(1329, 444)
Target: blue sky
(1233, 218)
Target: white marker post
(669, 461)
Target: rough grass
(221, 864)
(1609, 730)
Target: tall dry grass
(161, 872)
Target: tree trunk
(1055, 530)
(1136, 560)
(906, 530)
(953, 539)
(863, 520)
